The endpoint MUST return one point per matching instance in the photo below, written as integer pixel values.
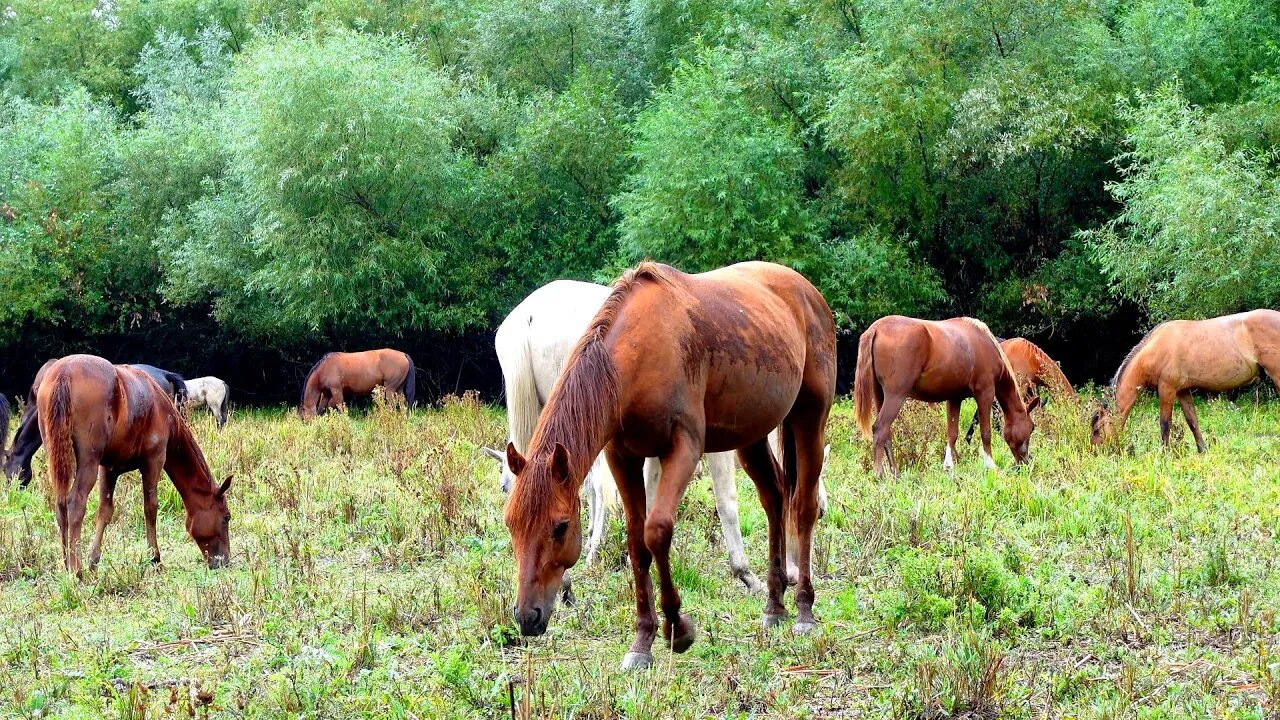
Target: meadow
(372, 574)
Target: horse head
(1100, 423)
(210, 527)
(507, 478)
(1017, 431)
(543, 516)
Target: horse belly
(746, 408)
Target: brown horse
(1179, 356)
(672, 366)
(339, 376)
(937, 361)
(1034, 370)
(96, 418)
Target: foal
(937, 361)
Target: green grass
(372, 573)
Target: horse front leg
(151, 503)
(953, 432)
(597, 513)
(725, 489)
(659, 527)
(985, 401)
(628, 473)
(1167, 395)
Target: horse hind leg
(806, 430)
(77, 500)
(725, 489)
(882, 433)
(1189, 413)
(758, 461)
(106, 510)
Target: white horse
(211, 393)
(533, 344)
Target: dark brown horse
(339, 376)
(102, 418)
(1034, 369)
(27, 441)
(937, 361)
(1180, 356)
(672, 366)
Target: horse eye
(559, 529)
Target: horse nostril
(537, 616)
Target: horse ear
(226, 485)
(1035, 403)
(560, 463)
(515, 460)
(492, 453)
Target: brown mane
(1008, 369)
(1124, 364)
(582, 403)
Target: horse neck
(1008, 395)
(1126, 390)
(187, 470)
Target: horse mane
(1124, 364)
(311, 372)
(1008, 369)
(583, 401)
(186, 440)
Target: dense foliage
(337, 172)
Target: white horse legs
(724, 487)
(597, 511)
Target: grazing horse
(211, 393)
(170, 382)
(338, 376)
(533, 343)
(672, 366)
(937, 361)
(27, 441)
(1034, 370)
(102, 418)
(1179, 356)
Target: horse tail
(410, 383)
(55, 421)
(523, 403)
(865, 381)
(4, 425)
(224, 408)
(179, 387)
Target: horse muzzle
(531, 620)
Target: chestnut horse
(672, 366)
(1179, 356)
(1034, 370)
(27, 441)
(937, 361)
(96, 418)
(339, 376)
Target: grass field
(371, 577)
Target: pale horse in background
(212, 393)
(533, 343)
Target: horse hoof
(773, 620)
(636, 661)
(804, 627)
(685, 633)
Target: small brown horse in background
(937, 361)
(98, 417)
(674, 366)
(1179, 356)
(1034, 370)
(339, 376)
